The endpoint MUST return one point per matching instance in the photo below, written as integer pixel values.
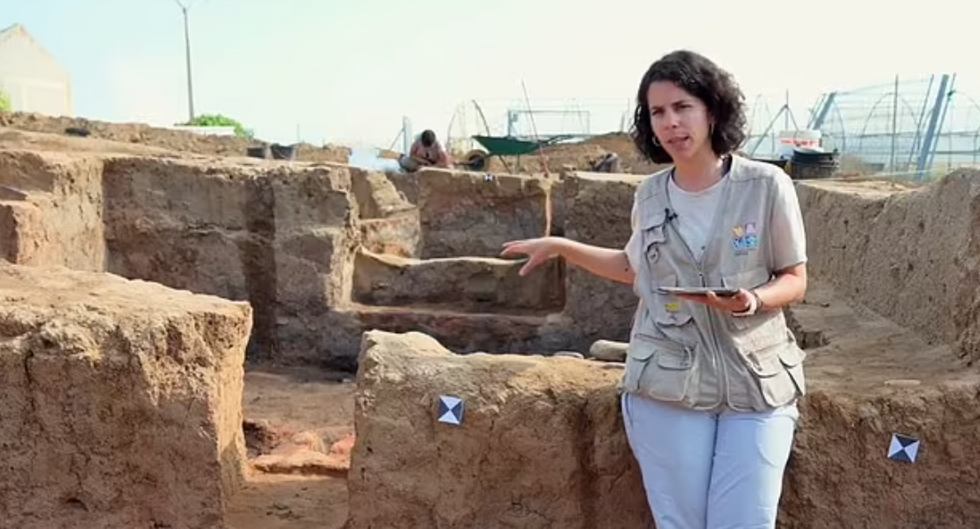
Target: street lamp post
(184, 8)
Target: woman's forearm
(787, 288)
(608, 263)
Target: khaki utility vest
(691, 354)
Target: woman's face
(679, 120)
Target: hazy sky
(347, 71)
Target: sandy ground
(295, 400)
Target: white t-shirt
(695, 214)
(695, 211)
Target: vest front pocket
(672, 317)
(779, 372)
(659, 368)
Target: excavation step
(464, 332)
(465, 284)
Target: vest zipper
(718, 217)
(713, 336)
(697, 262)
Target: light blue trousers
(710, 470)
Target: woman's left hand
(740, 302)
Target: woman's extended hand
(537, 250)
(740, 302)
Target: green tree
(218, 120)
(5, 104)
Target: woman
(711, 382)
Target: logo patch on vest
(745, 238)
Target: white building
(30, 76)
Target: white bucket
(791, 139)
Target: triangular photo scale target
(450, 410)
(903, 448)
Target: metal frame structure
(514, 116)
(924, 142)
(906, 128)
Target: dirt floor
(286, 401)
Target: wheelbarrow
(500, 146)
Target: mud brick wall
(462, 214)
(552, 430)
(471, 284)
(925, 272)
(181, 224)
(548, 427)
(310, 265)
(596, 211)
(51, 210)
(389, 220)
(122, 401)
(279, 236)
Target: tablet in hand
(722, 292)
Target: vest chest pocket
(659, 368)
(654, 235)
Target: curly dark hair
(703, 79)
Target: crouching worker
(425, 152)
(609, 163)
(711, 382)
